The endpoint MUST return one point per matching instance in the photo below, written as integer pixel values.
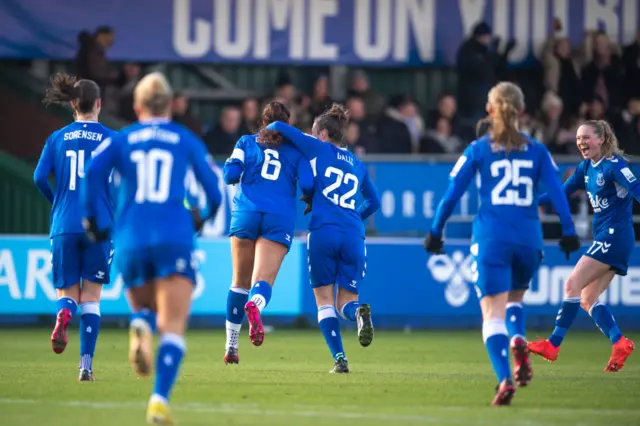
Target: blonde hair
(506, 101)
(602, 129)
(153, 93)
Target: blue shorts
(140, 266)
(252, 225)
(336, 257)
(613, 249)
(74, 257)
(500, 267)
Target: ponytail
(506, 101)
(66, 89)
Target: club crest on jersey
(456, 272)
(600, 179)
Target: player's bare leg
(89, 327)
(243, 255)
(140, 333)
(173, 299)
(494, 334)
(522, 370)
(602, 316)
(59, 338)
(362, 315)
(269, 257)
(587, 271)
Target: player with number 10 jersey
(262, 223)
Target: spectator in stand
(352, 139)
(628, 129)
(180, 110)
(565, 142)
(223, 137)
(304, 118)
(549, 122)
(446, 107)
(250, 116)
(603, 76)
(320, 100)
(479, 66)
(285, 90)
(366, 130)
(562, 71)
(373, 101)
(394, 134)
(91, 61)
(131, 74)
(441, 140)
(595, 109)
(631, 60)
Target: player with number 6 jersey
(80, 267)
(336, 241)
(262, 223)
(611, 187)
(507, 233)
(154, 232)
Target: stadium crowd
(598, 80)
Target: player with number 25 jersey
(507, 233)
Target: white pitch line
(309, 411)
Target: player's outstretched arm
(557, 194)
(202, 166)
(234, 166)
(573, 184)
(306, 144)
(371, 202)
(623, 175)
(460, 178)
(42, 172)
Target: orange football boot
(545, 349)
(619, 354)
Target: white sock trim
(572, 299)
(90, 308)
(593, 306)
(326, 311)
(239, 290)
(493, 327)
(514, 305)
(232, 326)
(175, 340)
(260, 301)
(157, 398)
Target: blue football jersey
(67, 153)
(508, 192)
(268, 176)
(152, 159)
(339, 179)
(611, 187)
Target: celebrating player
(611, 187)
(153, 230)
(507, 234)
(262, 223)
(336, 242)
(80, 267)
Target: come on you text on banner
(350, 32)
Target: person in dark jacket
(91, 61)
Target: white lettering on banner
(372, 45)
(388, 204)
(223, 39)
(471, 12)
(276, 15)
(200, 257)
(419, 16)
(408, 204)
(457, 272)
(319, 10)
(629, 21)
(38, 274)
(182, 25)
(427, 204)
(8, 275)
(599, 12)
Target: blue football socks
(236, 299)
(349, 310)
(566, 315)
(515, 320)
(604, 319)
(147, 316)
(67, 303)
(170, 353)
(89, 329)
(494, 334)
(330, 327)
(260, 294)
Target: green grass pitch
(434, 378)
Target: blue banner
(350, 32)
(26, 281)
